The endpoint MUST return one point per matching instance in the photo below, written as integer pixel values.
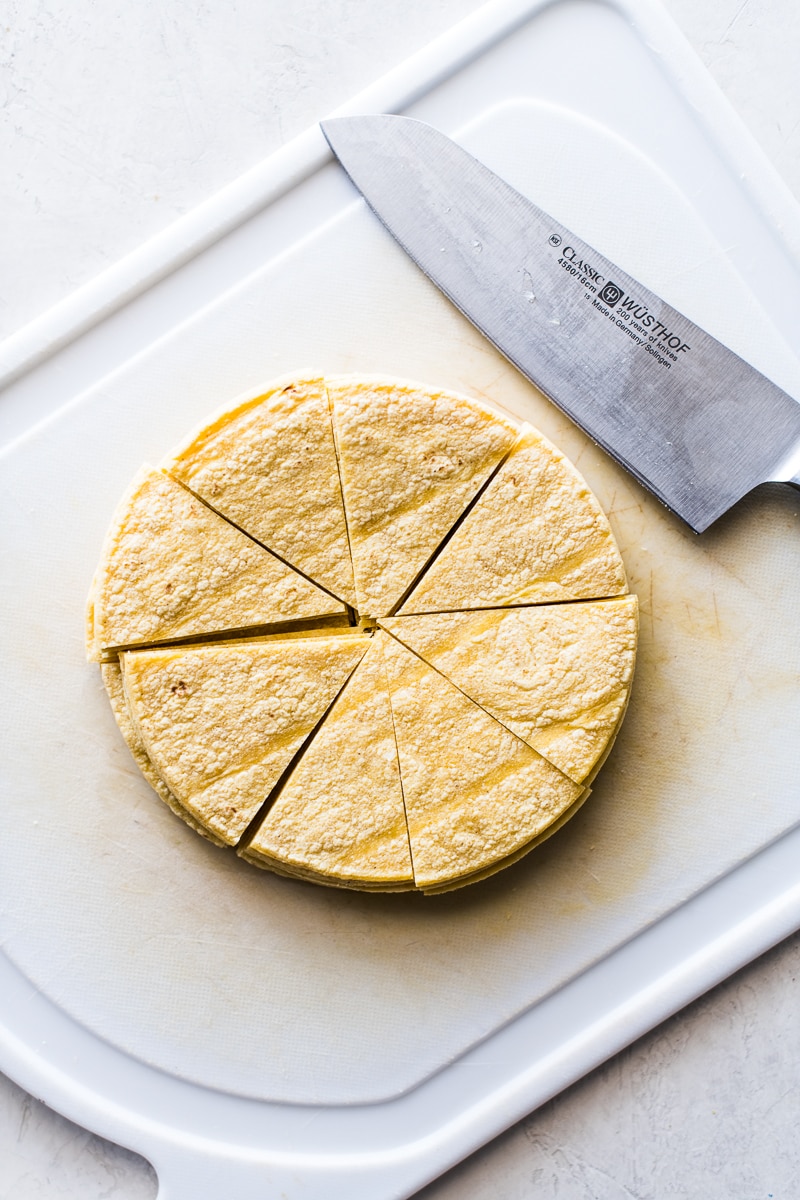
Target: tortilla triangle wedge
(268, 463)
(411, 460)
(172, 568)
(474, 792)
(558, 676)
(111, 673)
(510, 859)
(339, 816)
(220, 723)
(535, 536)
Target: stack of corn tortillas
(372, 634)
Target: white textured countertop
(121, 116)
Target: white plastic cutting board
(252, 1036)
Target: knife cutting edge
(688, 417)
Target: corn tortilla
(111, 673)
(423, 742)
(558, 676)
(535, 536)
(171, 568)
(268, 464)
(340, 813)
(411, 459)
(474, 792)
(221, 723)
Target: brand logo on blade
(611, 294)
(646, 330)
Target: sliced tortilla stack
(171, 568)
(475, 793)
(220, 723)
(268, 464)
(339, 817)
(411, 459)
(536, 535)
(427, 754)
(558, 676)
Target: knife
(690, 419)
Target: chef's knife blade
(686, 416)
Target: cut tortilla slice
(558, 676)
(280, 868)
(411, 460)
(268, 463)
(220, 724)
(339, 815)
(510, 859)
(171, 568)
(536, 535)
(112, 681)
(474, 792)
